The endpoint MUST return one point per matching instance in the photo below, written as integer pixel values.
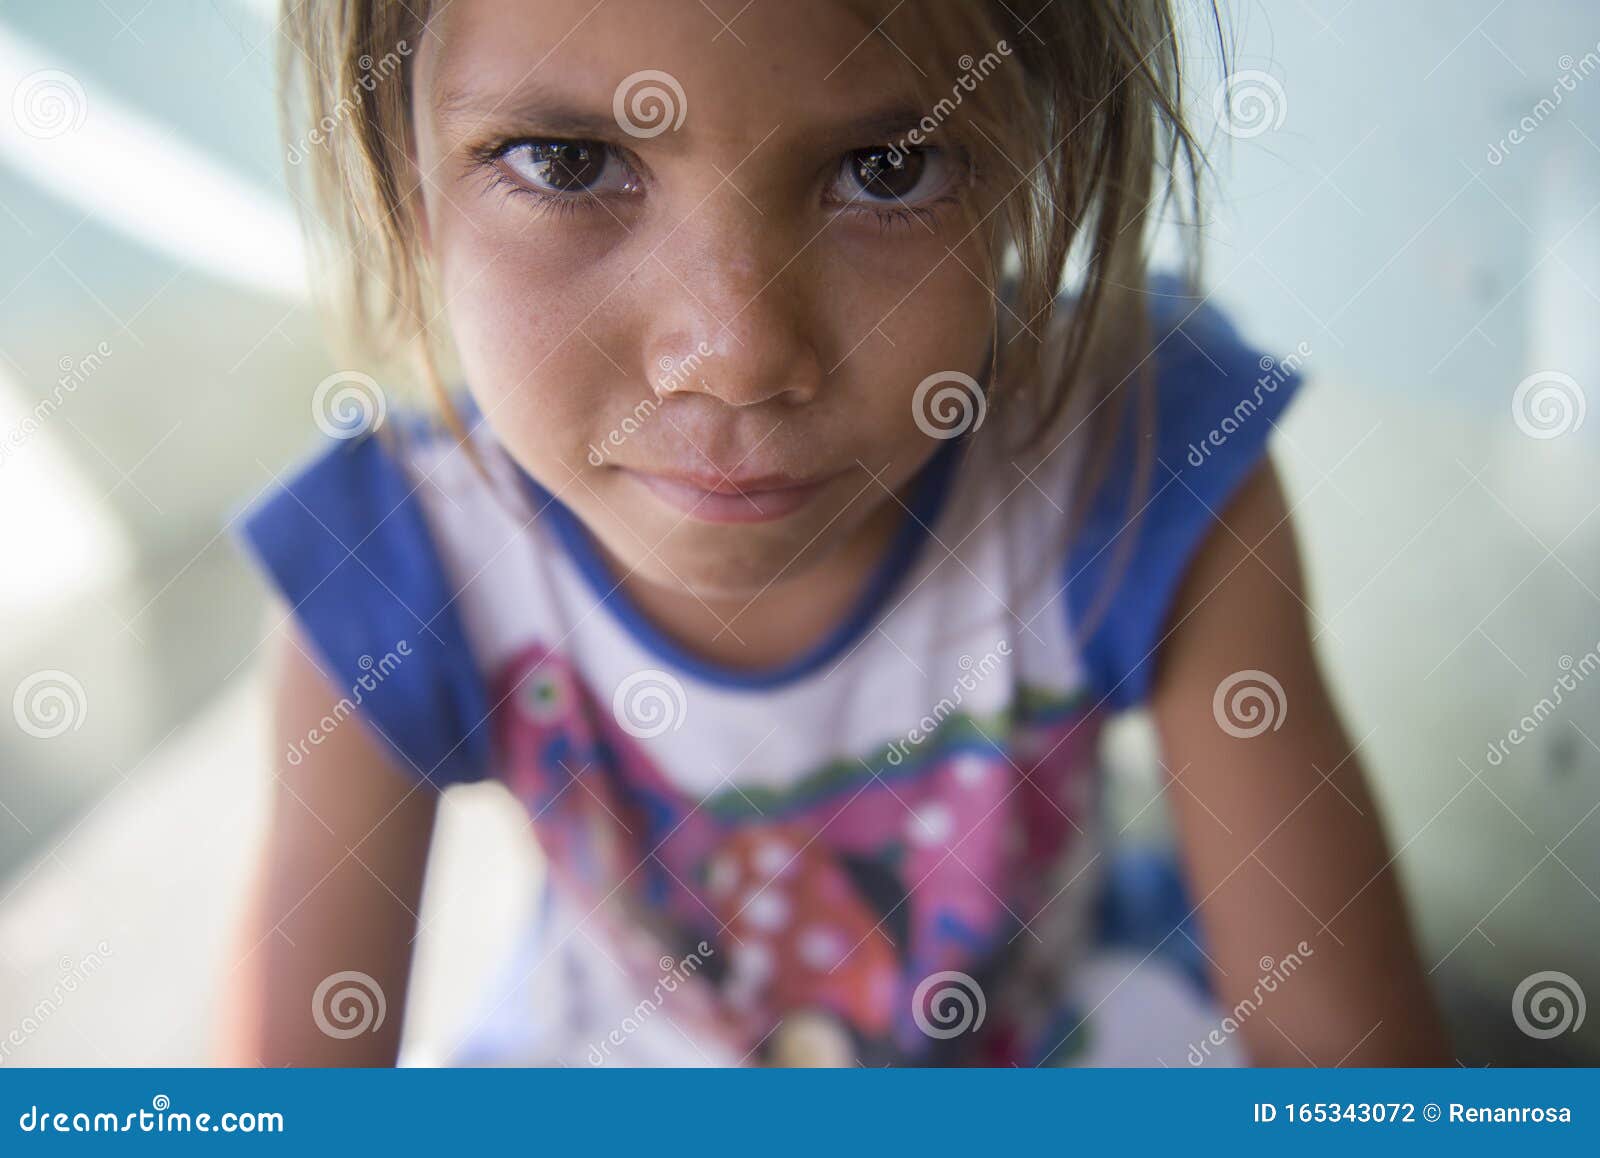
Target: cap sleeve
(1217, 402)
(345, 541)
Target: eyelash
(486, 159)
(892, 217)
(895, 217)
(889, 216)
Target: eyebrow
(877, 127)
(535, 108)
(531, 106)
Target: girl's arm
(337, 888)
(1279, 834)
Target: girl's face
(698, 318)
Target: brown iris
(886, 172)
(567, 166)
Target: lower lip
(719, 507)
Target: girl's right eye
(565, 168)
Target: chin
(728, 569)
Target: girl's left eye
(884, 175)
(566, 168)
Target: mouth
(717, 498)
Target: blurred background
(1408, 196)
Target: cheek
(905, 317)
(932, 305)
(517, 315)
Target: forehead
(743, 68)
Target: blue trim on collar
(929, 491)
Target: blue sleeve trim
(1217, 402)
(346, 543)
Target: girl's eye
(884, 174)
(561, 168)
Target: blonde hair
(1075, 126)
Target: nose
(731, 313)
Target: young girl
(791, 542)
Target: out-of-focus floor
(148, 886)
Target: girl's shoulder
(345, 540)
(1216, 402)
